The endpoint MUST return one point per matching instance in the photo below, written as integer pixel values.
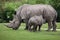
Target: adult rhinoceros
(27, 11)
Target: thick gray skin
(15, 23)
(47, 11)
(27, 11)
(35, 21)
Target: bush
(1, 20)
(9, 8)
(58, 17)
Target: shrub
(9, 8)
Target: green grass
(21, 34)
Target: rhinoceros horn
(7, 25)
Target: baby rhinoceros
(35, 21)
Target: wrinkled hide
(35, 21)
(15, 23)
(47, 11)
(27, 11)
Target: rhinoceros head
(15, 23)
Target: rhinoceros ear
(15, 11)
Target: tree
(2, 15)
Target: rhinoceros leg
(29, 27)
(39, 27)
(49, 25)
(34, 28)
(54, 25)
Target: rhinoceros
(25, 12)
(15, 23)
(35, 21)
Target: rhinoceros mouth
(10, 27)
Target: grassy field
(21, 34)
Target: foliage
(9, 7)
(9, 10)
